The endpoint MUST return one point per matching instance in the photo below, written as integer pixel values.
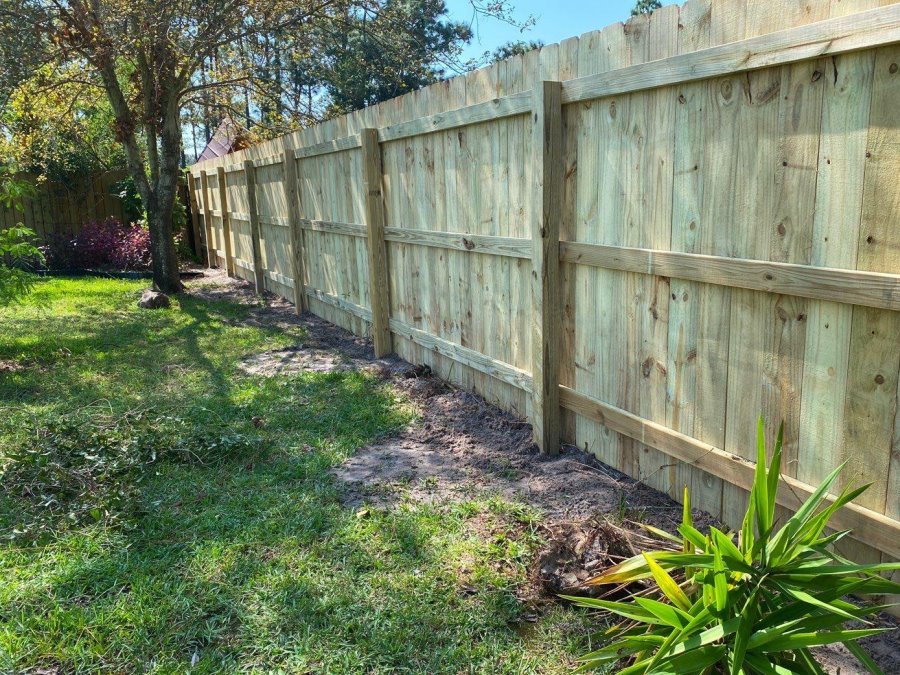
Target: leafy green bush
(80, 469)
(17, 255)
(17, 250)
(756, 605)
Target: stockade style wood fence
(63, 208)
(640, 239)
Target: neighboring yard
(232, 550)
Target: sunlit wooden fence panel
(698, 225)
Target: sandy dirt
(462, 447)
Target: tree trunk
(166, 277)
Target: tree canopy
(142, 63)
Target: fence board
(727, 243)
(63, 209)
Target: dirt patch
(462, 447)
(293, 359)
(10, 366)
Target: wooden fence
(640, 239)
(62, 208)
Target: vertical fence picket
(226, 223)
(546, 212)
(207, 221)
(378, 273)
(258, 271)
(289, 176)
(195, 216)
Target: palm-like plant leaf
(755, 605)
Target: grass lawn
(225, 544)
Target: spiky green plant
(756, 604)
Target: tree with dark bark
(143, 55)
(152, 59)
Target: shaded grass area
(237, 555)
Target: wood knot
(469, 245)
(879, 379)
(647, 366)
(892, 69)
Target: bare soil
(462, 447)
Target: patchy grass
(228, 548)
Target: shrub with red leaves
(101, 245)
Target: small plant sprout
(754, 601)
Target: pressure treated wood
(227, 245)
(865, 30)
(726, 208)
(207, 220)
(291, 196)
(195, 216)
(546, 211)
(253, 216)
(484, 364)
(474, 243)
(378, 274)
(870, 289)
(868, 526)
(331, 227)
(498, 108)
(328, 147)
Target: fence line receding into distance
(640, 239)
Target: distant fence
(62, 208)
(641, 239)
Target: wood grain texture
(253, 216)
(227, 242)
(484, 364)
(495, 109)
(864, 30)
(870, 527)
(513, 247)
(292, 197)
(207, 220)
(854, 287)
(545, 214)
(195, 216)
(378, 272)
(727, 208)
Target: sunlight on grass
(240, 555)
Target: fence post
(545, 215)
(195, 216)
(378, 273)
(258, 272)
(211, 256)
(226, 223)
(289, 175)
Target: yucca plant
(754, 601)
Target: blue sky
(555, 20)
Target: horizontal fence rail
(639, 239)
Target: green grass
(238, 553)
